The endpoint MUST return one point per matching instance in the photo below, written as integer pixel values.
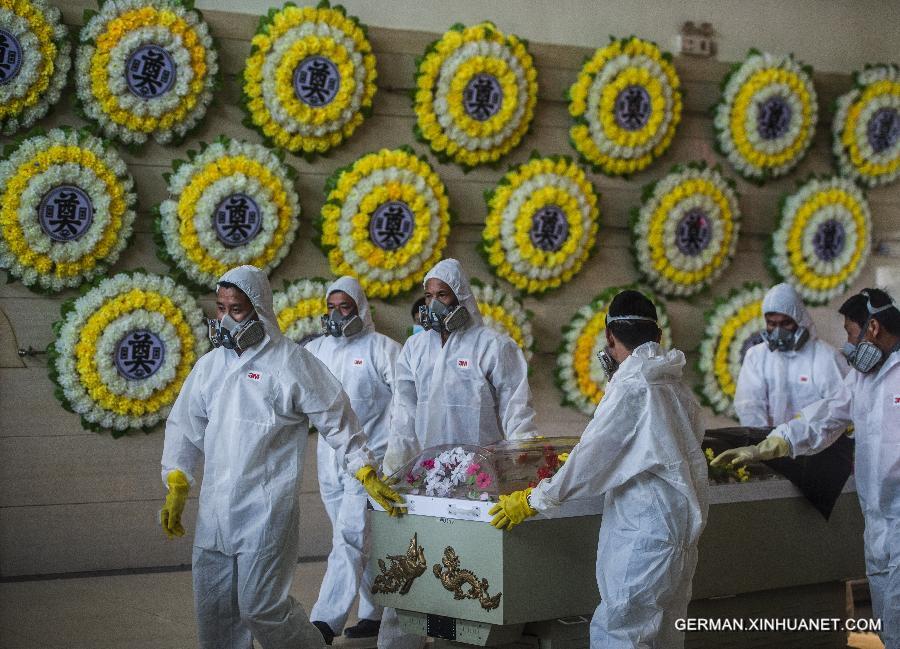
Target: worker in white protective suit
(790, 369)
(459, 382)
(363, 361)
(870, 400)
(245, 410)
(641, 453)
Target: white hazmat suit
(364, 364)
(872, 403)
(471, 390)
(248, 418)
(641, 452)
(773, 386)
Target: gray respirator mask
(337, 325)
(783, 340)
(239, 336)
(607, 362)
(865, 356)
(443, 318)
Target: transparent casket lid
(483, 472)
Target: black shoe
(364, 629)
(325, 630)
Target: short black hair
(633, 333)
(414, 312)
(855, 310)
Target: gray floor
(149, 611)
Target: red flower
(428, 464)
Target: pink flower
(410, 478)
(473, 469)
(483, 480)
(428, 464)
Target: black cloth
(820, 477)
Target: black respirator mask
(443, 318)
(337, 325)
(239, 336)
(784, 340)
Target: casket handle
(474, 512)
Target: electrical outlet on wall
(696, 40)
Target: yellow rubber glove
(380, 492)
(170, 515)
(512, 510)
(769, 449)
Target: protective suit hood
(451, 273)
(783, 298)
(354, 289)
(255, 284)
(652, 362)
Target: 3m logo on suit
(462, 363)
(253, 375)
(357, 362)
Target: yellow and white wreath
(626, 103)
(503, 312)
(145, 68)
(231, 204)
(767, 115)
(299, 308)
(123, 350)
(866, 127)
(579, 373)
(823, 238)
(475, 93)
(385, 221)
(66, 209)
(310, 78)
(35, 56)
(685, 233)
(541, 225)
(733, 326)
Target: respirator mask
(239, 336)
(337, 325)
(783, 340)
(864, 356)
(441, 318)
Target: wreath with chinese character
(476, 89)
(310, 78)
(34, 60)
(123, 350)
(823, 238)
(66, 209)
(733, 326)
(578, 371)
(232, 203)
(626, 104)
(767, 115)
(385, 221)
(685, 233)
(542, 223)
(506, 314)
(145, 68)
(866, 127)
(299, 308)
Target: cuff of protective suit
(167, 472)
(359, 459)
(539, 499)
(782, 433)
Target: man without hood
(641, 454)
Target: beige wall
(831, 35)
(72, 500)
